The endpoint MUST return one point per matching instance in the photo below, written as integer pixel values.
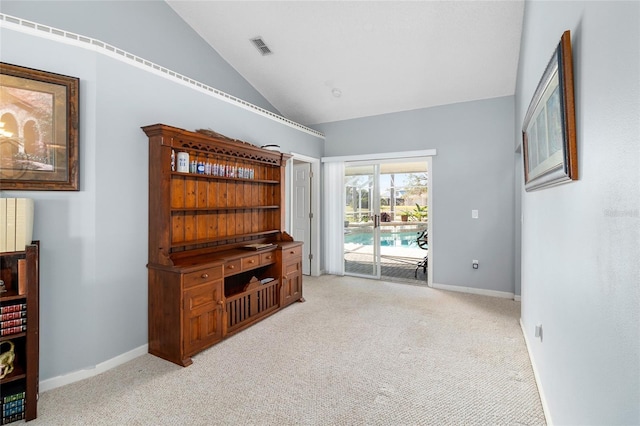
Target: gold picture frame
(38, 130)
(549, 129)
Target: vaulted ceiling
(336, 60)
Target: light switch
(474, 214)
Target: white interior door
(302, 211)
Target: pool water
(387, 239)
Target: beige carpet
(358, 352)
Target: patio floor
(396, 263)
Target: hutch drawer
(242, 262)
(267, 258)
(250, 262)
(232, 267)
(205, 275)
(291, 253)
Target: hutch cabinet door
(202, 316)
(291, 283)
(291, 260)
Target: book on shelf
(13, 308)
(13, 418)
(12, 330)
(10, 226)
(16, 223)
(13, 395)
(13, 322)
(13, 407)
(13, 403)
(22, 276)
(13, 315)
(24, 223)
(3, 224)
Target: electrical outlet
(474, 263)
(538, 332)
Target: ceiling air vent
(261, 46)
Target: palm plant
(420, 213)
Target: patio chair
(423, 243)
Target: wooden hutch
(219, 259)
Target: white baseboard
(483, 292)
(56, 382)
(517, 298)
(543, 399)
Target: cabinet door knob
(231, 266)
(292, 252)
(220, 302)
(252, 261)
(205, 275)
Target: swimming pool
(387, 239)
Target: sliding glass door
(385, 216)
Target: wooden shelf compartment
(264, 170)
(12, 336)
(225, 238)
(216, 251)
(12, 295)
(18, 373)
(197, 227)
(217, 156)
(9, 273)
(187, 192)
(252, 304)
(19, 370)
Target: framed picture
(38, 130)
(549, 129)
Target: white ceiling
(383, 56)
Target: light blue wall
(94, 242)
(473, 169)
(581, 241)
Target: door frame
(314, 247)
(430, 235)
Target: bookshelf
(19, 314)
(219, 259)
